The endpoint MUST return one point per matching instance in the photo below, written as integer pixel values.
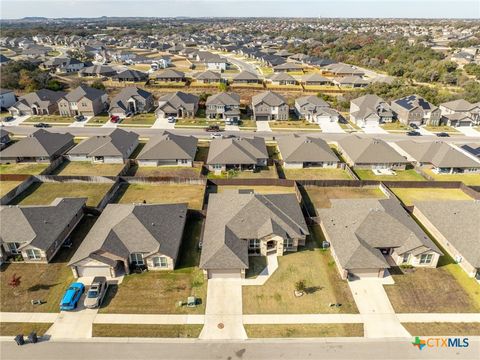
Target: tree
(98, 84)
(300, 286)
(222, 87)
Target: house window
(13, 247)
(426, 258)
(33, 254)
(160, 261)
(217, 166)
(254, 244)
(406, 256)
(287, 243)
(183, 161)
(137, 259)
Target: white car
(216, 136)
(171, 119)
(96, 293)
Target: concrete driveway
(331, 127)
(424, 131)
(263, 126)
(374, 130)
(162, 123)
(468, 131)
(16, 121)
(223, 314)
(379, 318)
(81, 123)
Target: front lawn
(168, 171)
(292, 124)
(400, 175)
(86, 168)
(323, 284)
(6, 186)
(158, 292)
(447, 129)
(46, 282)
(396, 126)
(53, 119)
(410, 196)
(98, 120)
(163, 194)
(13, 329)
(467, 179)
(23, 168)
(443, 329)
(146, 330)
(303, 330)
(140, 119)
(316, 174)
(44, 193)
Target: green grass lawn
(311, 264)
(400, 175)
(141, 119)
(13, 329)
(86, 168)
(54, 119)
(248, 123)
(146, 330)
(410, 196)
(443, 329)
(292, 124)
(447, 129)
(158, 292)
(467, 179)
(303, 330)
(394, 126)
(46, 282)
(23, 168)
(6, 186)
(316, 174)
(45, 193)
(163, 194)
(98, 120)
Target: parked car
(79, 118)
(213, 128)
(414, 126)
(96, 293)
(42, 125)
(115, 119)
(171, 119)
(443, 134)
(72, 295)
(413, 133)
(216, 136)
(8, 118)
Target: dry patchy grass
(303, 330)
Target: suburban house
(374, 154)
(129, 236)
(315, 110)
(440, 156)
(303, 151)
(7, 98)
(472, 148)
(414, 109)
(246, 77)
(460, 113)
(41, 146)
(4, 138)
(315, 79)
(282, 79)
(225, 105)
(131, 100)
(38, 232)
(368, 236)
(178, 104)
(83, 100)
(240, 224)
(168, 150)
(130, 75)
(339, 69)
(370, 110)
(97, 71)
(288, 67)
(41, 102)
(269, 105)
(237, 153)
(114, 148)
(350, 81)
(213, 61)
(170, 75)
(63, 65)
(454, 224)
(209, 77)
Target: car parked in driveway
(80, 118)
(115, 119)
(96, 292)
(8, 118)
(171, 119)
(72, 296)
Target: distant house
(38, 232)
(130, 76)
(269, 106)
(209, 77)
(4, 138)
(416, 110)
(339, 69)
(350, 81)
(223, 105)
(7, 98)
(212, 61)
(170, 75)
(460, 113)
(282, 79)
(440, 156)
(129, 236)
(367, 235)
(131, 100)
(246, 77)
(315, 110)
(41, 102)
(472, 148)
(454, 224)
(114, 148)
(64, 65)
(97, 71)
(41, 146)
(237, 153)
(315, 79)
(83, 100)
(366, 153)
(299, 152)
(178, 104)
(169, 150)
(240, 224)
(370, 110)
(288, 67)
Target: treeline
(23, 75)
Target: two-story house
(83, 100)
(269, 106)
(224, 106)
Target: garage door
(223, 274)
(371, 123)
(261, 118)
(93, 271)
(366, 273)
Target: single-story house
(240, 224)
(287, 67)
(170, 75)
(131, 100)
(41, 102)
(282, 79)
(315, 110)
(127, 236)
(97, 71)
(131, 76)
(4, 138)
(315, 79)
(209, 77)
(246, 77)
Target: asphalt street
(119, 349)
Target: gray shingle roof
(371, 104)
(224, 98)
(121, 99)
(42, 98)
(209, 75)
(39, 144)
(268, 97)
(237, 151)
(170, 73)
(370, 151)
(177, 100)
(232, 218)
(84, 91)
(295, 148)
(116, 143)
(460, 105)
(169, 147)
(246, 75)
(123, 229)
(312, 100)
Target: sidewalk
(272, 266)
(28, 317)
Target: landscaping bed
(292, 124)
(146, 330)
(303, 330)
(50, 119)
(140, 119)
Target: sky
(14, 9)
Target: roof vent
(153, 224)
